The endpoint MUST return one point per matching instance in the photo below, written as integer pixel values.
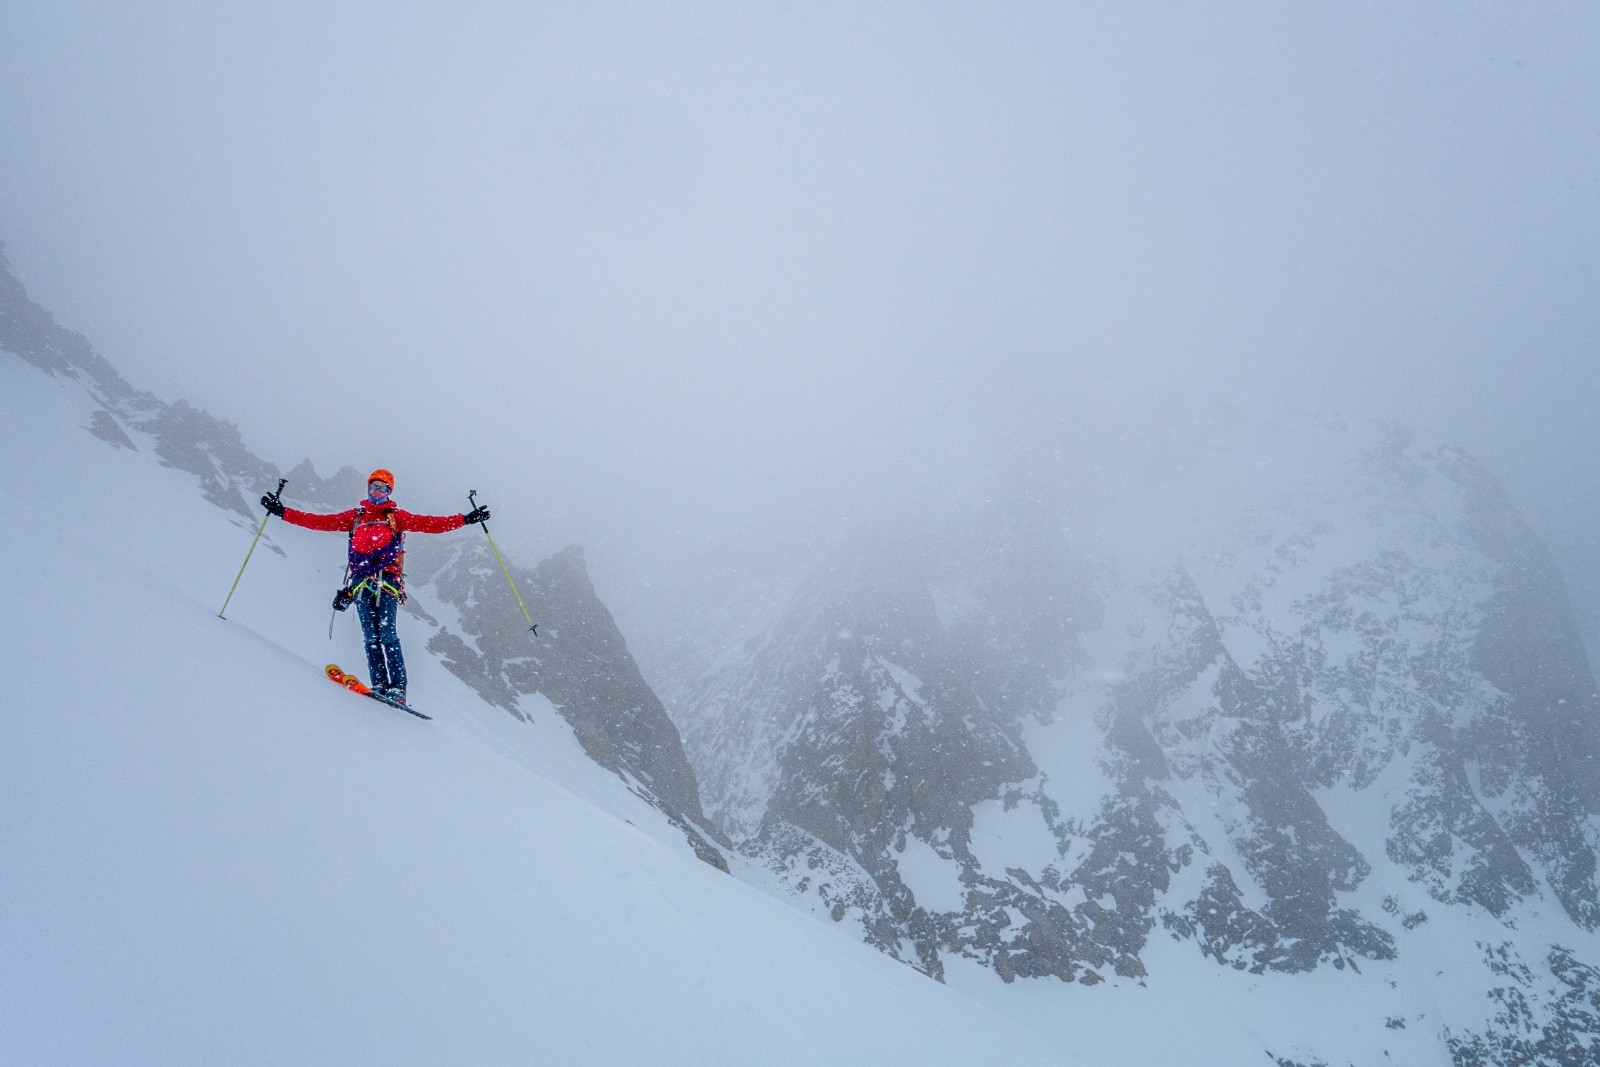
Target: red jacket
(370, 529)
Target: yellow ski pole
(223, 614)
(532, 626)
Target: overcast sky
(620, 266)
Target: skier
(375, 580)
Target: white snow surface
(1004, 838)
(932, 879)
(210, 854)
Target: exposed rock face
(1536, 1020)
(1216, 726)
(581, 664)
(888, 699)
(579, 660)
(1353, 700)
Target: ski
(337, 675)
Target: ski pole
(223, 614)
(334, 614)
(532, 626)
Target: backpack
(366, 569)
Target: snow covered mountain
(209, 854)
(1295, 754)
(1345, 724)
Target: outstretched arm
(339, 523)
(411, 522)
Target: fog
(649, 275)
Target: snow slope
(210, 854)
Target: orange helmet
(381, 475)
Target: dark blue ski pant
(384, 662)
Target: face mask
(377, 492)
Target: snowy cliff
(1343, 721)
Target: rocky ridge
(1352, 701)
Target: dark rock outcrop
(579, 660)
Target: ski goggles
(378, 487)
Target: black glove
(343, 599)
(477, 514)
(273, 504)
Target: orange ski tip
(349, 681)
